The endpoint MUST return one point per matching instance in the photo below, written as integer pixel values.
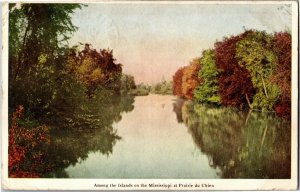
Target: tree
(164, 88)
(282, 73)
(177, 82)
(190, 78)
(127, 83)
(36, 30)
(95, 69)
(255, 53)
(38, 35)
(235, 86)
(208, 90)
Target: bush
(26, 147)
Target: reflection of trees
(240, 144)
(177, 106)
(70, 146)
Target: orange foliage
(177, 82)
(190, 79)
(25, 155)
(95, 69)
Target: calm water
(159, 136)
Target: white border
(88, 184)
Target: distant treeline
(128, 86)
(249, 70)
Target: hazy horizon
(153, 40)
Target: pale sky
(153, 40)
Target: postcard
(149, 95)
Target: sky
(153, 40)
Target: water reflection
(153, 146)
(92, 132)
(241, 144)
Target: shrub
(26, 154)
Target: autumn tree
(208, 90)
(235, 86)
(254, 52)
(95, 69)
(190, 79)
(177, 82)
(282, 73)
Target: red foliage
(25, 156)
(95, 69)
(234, 81)
(282, 75)
(283, 110)
(177, 82)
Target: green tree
(164, 88)
(38, 35)
(127, 83)
(207, 91)
(255, 53)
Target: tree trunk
(248, 101)
(21, 53)
(265, 89)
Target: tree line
(54, 86)
(249, 70)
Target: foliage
(163, 88)
(36, 30)
(127, 83)
(234, 81)
(38, 34)
(177, 82)
(282, 73)
(190, 79)
(250, 69)
(208, 90)
(95, 69)
(255, 53)
(141, 90)
(26, 147)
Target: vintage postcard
(149, 95)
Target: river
(162, 137)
